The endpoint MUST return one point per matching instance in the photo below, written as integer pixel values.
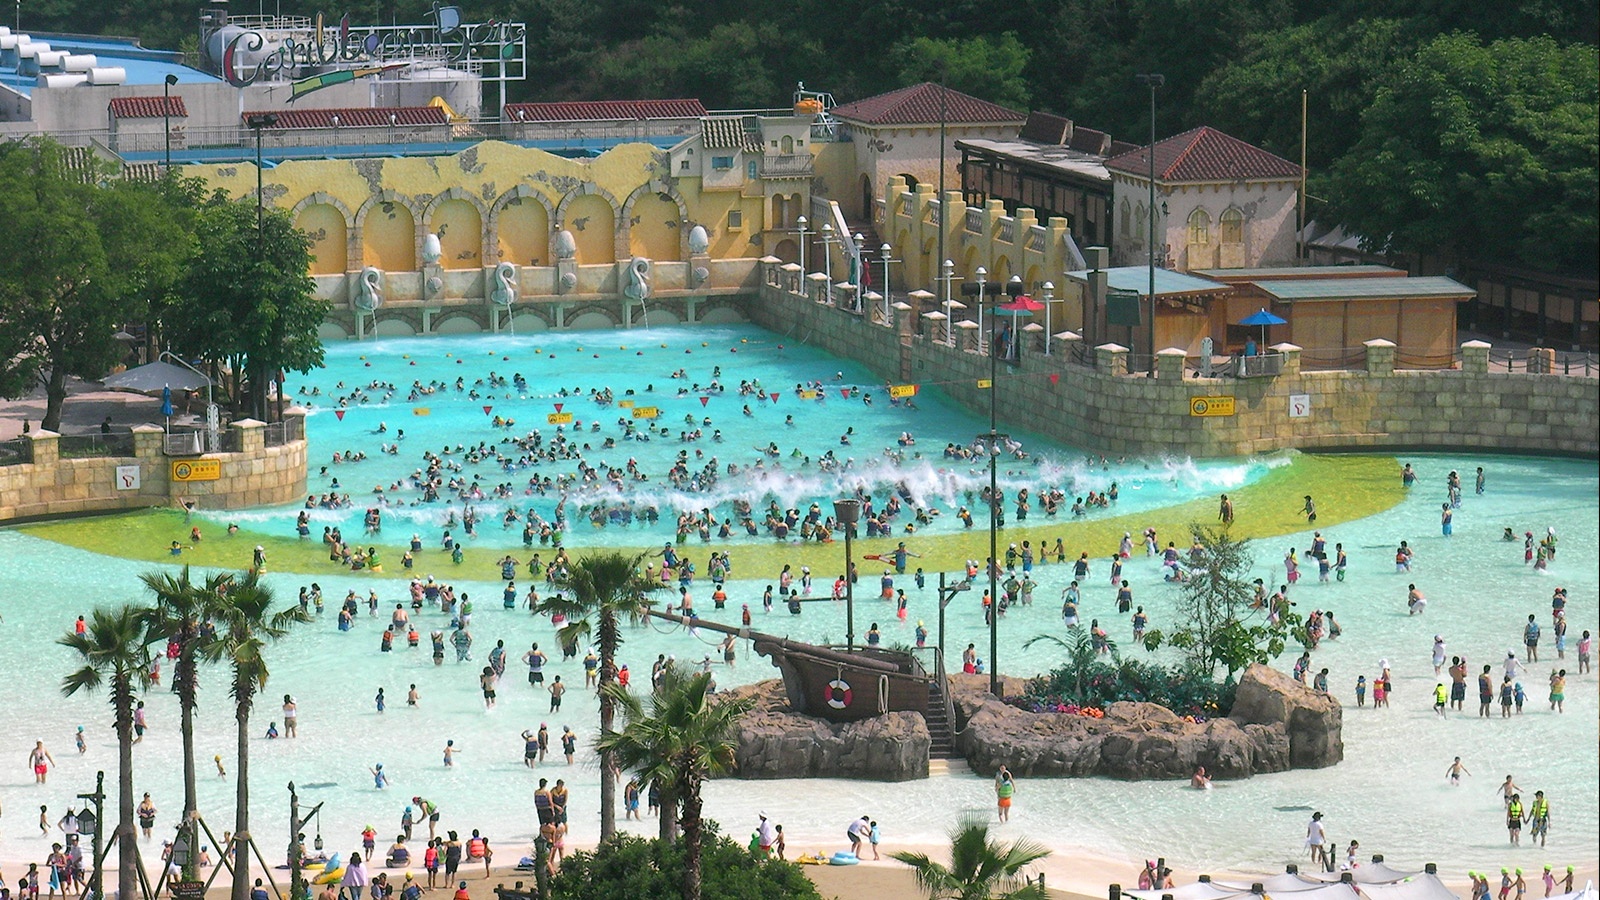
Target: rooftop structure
(925, 104)
(1205, 154)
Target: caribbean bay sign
(496, 51)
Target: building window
(1232, 226)
(721, 162)
(752, 169)
(735, 219)
(1140, 218)
(683, 166)
(1127, 219)
(1199, 227)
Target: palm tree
(245, 625)
(181, 607)
(980, 869)
(1081, 655)
(114, 651)
(679, 741)
(602, 590)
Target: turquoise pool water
(1390, 792)
(447, 394)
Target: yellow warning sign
(196, 469)
(984, 384)
(645, 412)
(561, 418)
(1210, 406)
(899, 391)
(625, 404)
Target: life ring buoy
(839, 694)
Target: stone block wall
(1100, 408)
(50, 486)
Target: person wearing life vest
(1539, 817)
(478, 848)
(1514, 818)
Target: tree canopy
(1240, 67)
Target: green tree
(602, 590)
(1081, 656)
(89, 253)
(990, 66)
(246, 624)
(181, 607)
(679, 740)
(248, 301)
(980, 868)
(627, 867)
(114, 652)
(1217, 625)
(1484, 150)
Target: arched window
(1140, 215)
(1232, 226)
(1127, 218)
(1199, 227)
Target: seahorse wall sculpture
(638, 287)
(505, 284)
(369, 289)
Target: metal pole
(1154, 80)
(98, 884)
(1049, 291)
(801, 221)
(982, 274)
(1301, 257)
(942, 141)
(166, 118)
(941, 614)
(887, 252)
(846, 511)
(827, 258)
(294, 844)
(994, 504)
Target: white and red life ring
(839, 694)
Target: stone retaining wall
(256, 475)
(1095, 405)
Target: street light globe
(826, 228)
(982, 272)
(801, 221)
(886, 249)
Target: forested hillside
(1454, 123)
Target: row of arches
(1231, 221)
(519, 227)
(533, 319)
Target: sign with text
(128, 478)
(625, 404)
(1210, 406)
(1299, 406)
(645, 412)
(561, 418)
(196, 469)
(899, 391)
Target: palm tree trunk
(691, 835)
(127, 838)
(188, 696)
(241, 812)
(669, 815)
(608, 717)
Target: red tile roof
(355, 117)
(919, 105)
(147, 107)
(604, 110)
(1205, 154)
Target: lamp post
(887, 252)
(257, 123)
(947, 273)
(847, 511)
(1050, 290)
(828, 240)
(801, 222)
(946, 594)
(992, 443)
(98, 798)
(1154, 80)
(859, 273)
(166, 118)
(983, 281)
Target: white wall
(1268, 209)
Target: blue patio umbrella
(1263, 319)
(166, 401)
